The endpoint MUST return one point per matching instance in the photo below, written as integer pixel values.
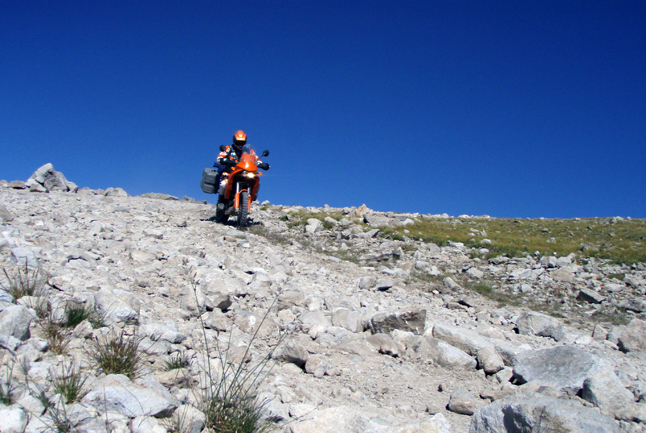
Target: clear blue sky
(505, 108)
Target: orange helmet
(239, 138)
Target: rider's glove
(263, 165)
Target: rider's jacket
(232, 153)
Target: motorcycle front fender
(236, 201)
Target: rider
(232, 153)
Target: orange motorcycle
(241, 187)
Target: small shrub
(239, 413)
(60, 420)
(41, 306)
(177, 361)
(75, 314)
(70, 384)
(27, 282)
(230, 403)
(56, 419)
(57, 337)
(117, 354)
(296, 222)
(328, 225)
(98, 319)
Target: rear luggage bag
(210, 180)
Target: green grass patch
(500, 296)
(622, 241)
(483, 288)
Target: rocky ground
(367, 333)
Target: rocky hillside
(364, 331)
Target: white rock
(117, 393)
(13, 419)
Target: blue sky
(505, 108)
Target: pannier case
(209, 181)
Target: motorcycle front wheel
(243, 212)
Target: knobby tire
(243, 212)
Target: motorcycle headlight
(250, 175)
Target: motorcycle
(242, 186)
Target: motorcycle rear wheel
(243, 212)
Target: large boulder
(384, 344)
(15, 321)
(51, 179)
(332, 420)
(489, 360)
(157, 331)
(531, 323)
(350, 320)
(314, 318)
(413, 320)
(633, 339)
(605, 391)
(533, 412)
(117, 393)
(158, 196)
(590, 296)
(24, 257)
(462, 338)
(442, 353)
(115, 309)
(563, 367)
(5, 215)
(462, 402)
(116, 192)
(435, 424)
